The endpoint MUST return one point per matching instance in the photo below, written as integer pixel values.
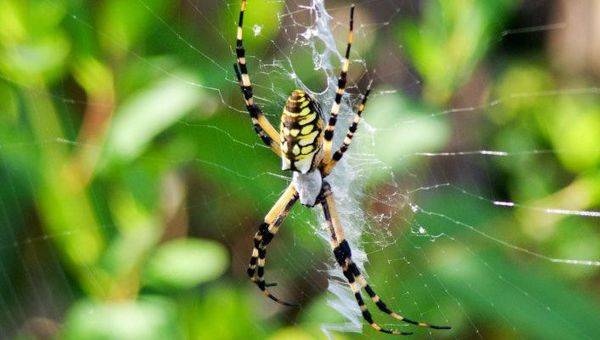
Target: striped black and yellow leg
(342, 253)
(262, 126)
(264, 236)
(349, 135)
(380, 304)
(341, 89)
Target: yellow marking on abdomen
(307, 129)
(308, 119)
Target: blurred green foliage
(449, 41)
(120, 153)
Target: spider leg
(381, 305)
(341, 89)
(341, 250)
(343, 255)
(262, 126)
(264, 236)
(351, 130)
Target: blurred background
(132, 182)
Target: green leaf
(525, 296)
(32, 45)
(185, 263)
(124, 23)
(149, 318)
(402, 128)
(148, 113)
(447, 44)
(576, 133)
(225, 312)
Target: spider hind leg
(381, 305)
(265, 234)
(342, 253)
(343, 256)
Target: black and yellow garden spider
(305, 148)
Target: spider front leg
(343, 256)
(264, 236)
(339, 93)
(337, 156)
(262, 126)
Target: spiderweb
(439, 237)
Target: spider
(305, 147)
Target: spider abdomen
(301, 131)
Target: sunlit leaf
(185, 263)
(401, 129)
(32, 45)
(148, 113)
(149, 318)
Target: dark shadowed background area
(131, 182)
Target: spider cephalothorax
(305, 148)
